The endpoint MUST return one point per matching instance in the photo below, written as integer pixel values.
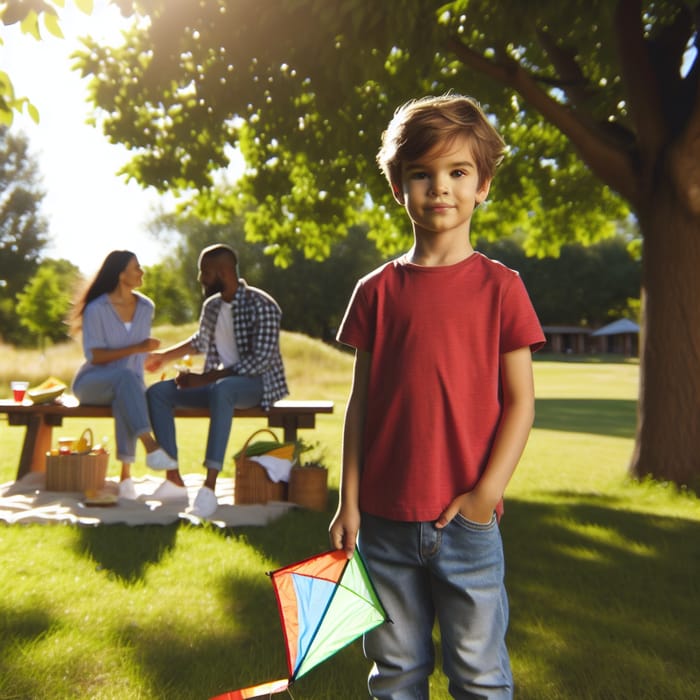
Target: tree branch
(638, 74)
(572, 79)
(612, 163)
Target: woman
(116, 327)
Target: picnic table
(40, 420)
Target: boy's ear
(398, 194)
(483, 191)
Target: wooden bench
(40, 419)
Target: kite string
(289, 692)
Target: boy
(440, 409)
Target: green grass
(601, 570)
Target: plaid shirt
(256, 325)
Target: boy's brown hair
(419, 125)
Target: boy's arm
(518, 414)
(346, 523)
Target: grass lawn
(602, 571)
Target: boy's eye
(458, 173)
(418, 175)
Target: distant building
(620, 337)
(567, 339)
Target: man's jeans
(456, 574)
(221, 397)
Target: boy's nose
(438, 185)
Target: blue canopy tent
(621, 336)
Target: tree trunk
(668, 425)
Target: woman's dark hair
(105, 281)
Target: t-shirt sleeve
(519, 323)
(356, 328)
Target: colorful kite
(325, 602)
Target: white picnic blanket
(27, 501)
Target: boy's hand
(470, 506)
(343, 530)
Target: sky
(89, 208)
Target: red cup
(19, 391)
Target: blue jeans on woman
(220, 397)
(455, 574)
(125, 391)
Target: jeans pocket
(472, 525)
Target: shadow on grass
(297, 535)
(126, 552)
(250, 651)
(613, 417)
(183, 668)
(602, 600)
(19, 629)
(604, 603)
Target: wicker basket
(251, 482)
(77, 472)
(308, 487)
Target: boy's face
(441, 188)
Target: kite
(325, 603)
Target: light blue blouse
(102, 328)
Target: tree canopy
(44, 303)
(307, 115)
(597, 99)
(313, 294)
(23, 230)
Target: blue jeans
(221, 397)
(456, 574)
(126, 392)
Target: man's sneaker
(159, 459)
(205, 503)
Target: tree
(164, 284)
(312, 294)
(584, 285)
(23, 231)
(598, 100)
(44, 303)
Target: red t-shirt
(436, 335)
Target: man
(238, 331)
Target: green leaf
(85, 5)
(33, 112)
(30, 25)
(52, 24)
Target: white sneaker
(168, 491)
(159, 459)
(205, 503)
(127, 490)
